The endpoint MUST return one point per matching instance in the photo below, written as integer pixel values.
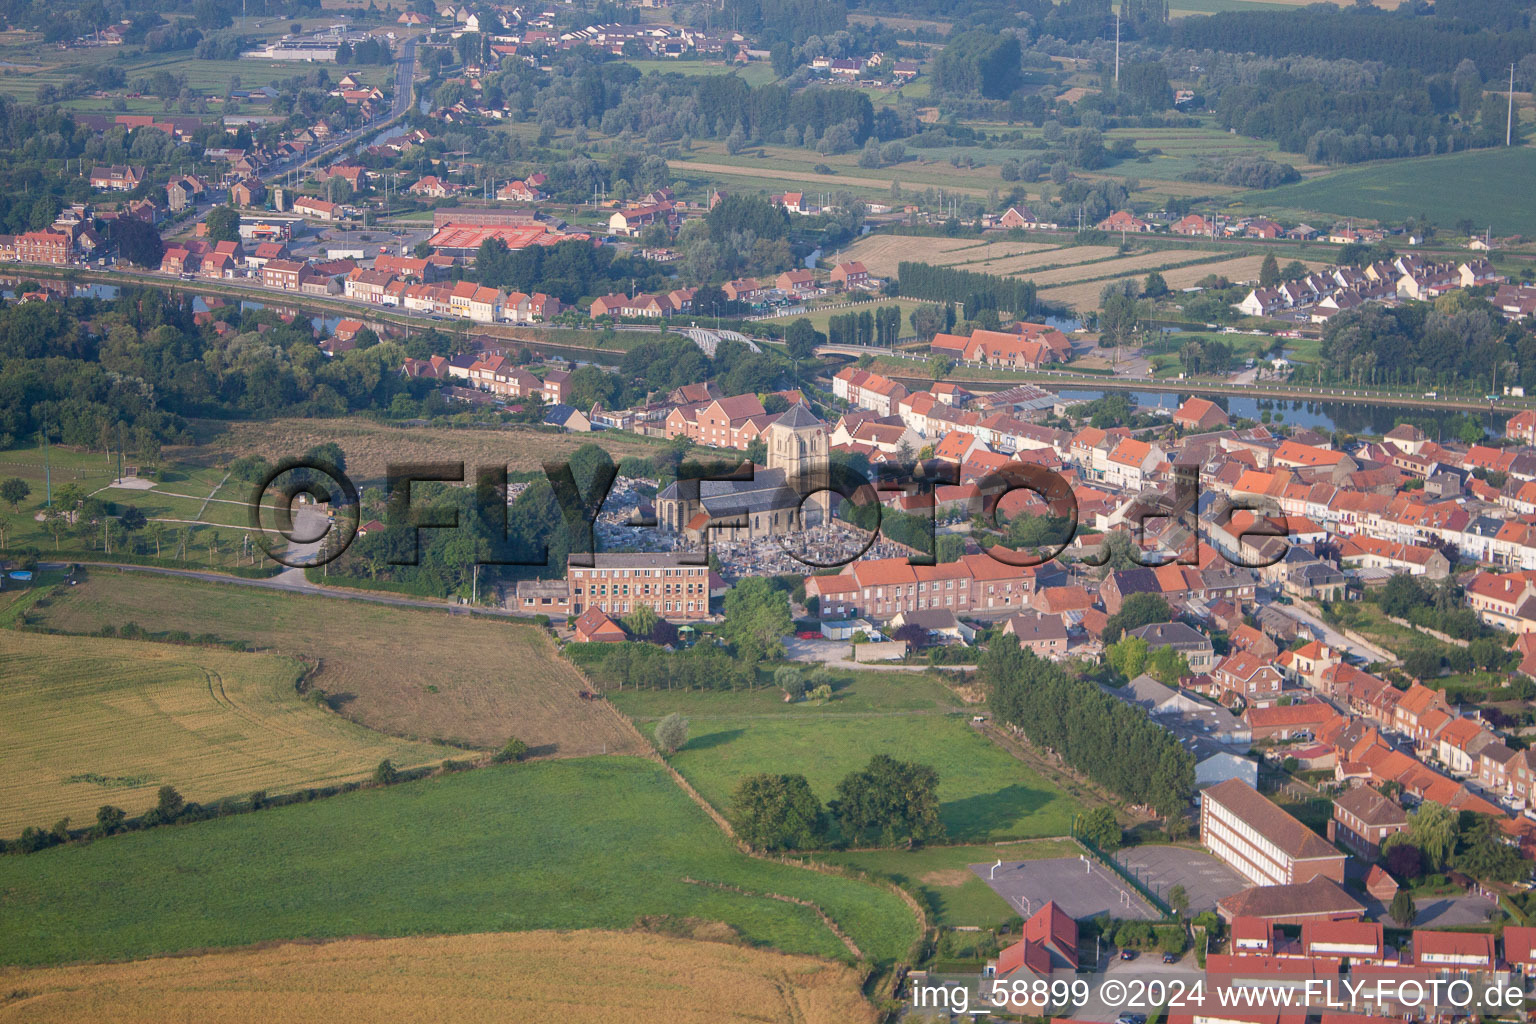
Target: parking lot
(1082, 888)
(1204, 878)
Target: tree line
(1113, 743)
(881, 327)
(942, 284)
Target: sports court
(1082, 888)
(1204, 878)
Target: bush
(515, 750)
(386, 774)
(672, 732)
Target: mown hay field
(1077, 255)
(92, 721)
(371, 448)
(1085, 295)
(417, 673)
(881, 253)
(585, 977)
(1138, 264)
(561, 844)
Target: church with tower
(769, 504)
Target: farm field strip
(434, 675)
(109, 721)
(1120, 267)
(1085, 294)
(656, 979)
(1067, 255)
(882, 253)
(586, 843)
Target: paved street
(1318, 628)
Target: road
(1333, 638)
(405, 72)
(293, 581)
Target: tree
(789, 679)
(1101, 829)
(672, 732)
(1433, 830)
(757, 619)
(1485, 855)
(1269, 271)
(108, 820)
(801, 339)
(898, 799)
(132, 519)
(1118, 316)
(1154, 287)
(1402, 909)
(642, 620)
(782, 56)
(15, 491)
(514, 750)
(777, 812)
(168, 805)
(1178, 899)
(1167, 666)
(386, 774)
(138, 242)
(1403, 860)
(1136, 611)
(223, 224)
(1128, 656)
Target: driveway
(1318, 628)
(1439, 911)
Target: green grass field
(177, 501)
(757, 73)
(574, 844)
(1489, 186)
(96, 721)
(984, 792)
(942, 873)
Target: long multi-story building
(43, 247)
(886, 587)
(620, 582)
(1264, 843)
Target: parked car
(809, 634)
(1170, 958)
(1127, 954)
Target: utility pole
(1509, 124)
(1117, 49)
(47, 470)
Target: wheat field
(589, 977)
(93, 721)
(419, 673)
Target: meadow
(593, 843)
(430, 675)
(958, 896)
(96, 721)
(1491, 187)
(588, 975)
(1179, 150)
(984, 792)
